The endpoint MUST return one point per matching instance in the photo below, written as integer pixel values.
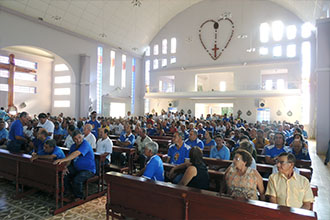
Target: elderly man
(220, 151)
(49, 152)
(16, 136)
(154, 169)
(271, 151)
(39, 142)
(288, 188)
(193, 140)
(141, 142)
(45, 123)
(179, 151)
(89, 137)
(80, 165)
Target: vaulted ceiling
(131, 24)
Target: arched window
(164, 46)
(277, 30)
(264, 32)
(173, 45)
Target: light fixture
(56, 17)
(242, 36)
(136, 3)
(250, 50)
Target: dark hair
(260, 131)
(71, 128)
(23, 114)
(56, 123)
(219, 136)
(51, 143)
(93, 112)
(196, 156)
(106, 131)
(300, 137)
(280, 133)
(44, 132)
(244, 137)
(291, 157)
(246, 156)
(42, 115)
(75, 133)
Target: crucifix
(11, 67)
(215, 50)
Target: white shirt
(104, 146)
(118, 129)
(68, 142)
(142, 144)
(90, 138)
(49, 126)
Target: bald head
(87, 129)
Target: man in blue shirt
(96, 125)
(179, 151)
(4, 134)
(271, 151)
(220, 151)
(42, 137)
(126, 139)
(16, 136)
(193, 140)
(80, 165)
(49, 152)
(299, 150)
(201, 131)
(154, 169)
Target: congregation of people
(219, 137)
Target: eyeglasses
(281, 162)
(237, 158)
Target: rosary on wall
(216, 26)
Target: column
(84, 85)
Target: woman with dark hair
(243, 181)
(196, 174)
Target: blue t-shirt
(151, 132)
(273, 151)
(302, 155)
(197, 142)
(16, 129)
(154, 169)
(4, 134)
(178, 156)
(223, 153)
(96, 126)
(201, 132)
(124, 138)
(210, 129)
(59, 131)
(85, 161)
(40, 144)
(210, 144)
(57, 151)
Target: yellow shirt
(290, 192)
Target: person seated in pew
(151, 131)
(104, 144)
(183, 132)
(159, 130)
(246, 145)
(178, 151)
(209, 142)
(89, 136)
(45, 123)
(298, 148)
(196, 174)
(38, 144)
(288, 188)
(49, 152)
(16, 139)
(68, 140)
(3, 133)
(220, 151)
(141, 142)
(80, 165)
(154, 169)
(243, 181)
(271, 151)
(193, 140)
(260, 141)
(290, 139)
(126, 139)
(58, 132)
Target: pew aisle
(37, 206)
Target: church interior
(259, 60)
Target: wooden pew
(299, 163)
(158, 200)
(130, 152)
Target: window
(117, 109)
(61, 67)
(156, 49)
(164, 46)
(277, 30)
(263, 50)
(147, 75)
(291, 32)
(133, 86)
(263, 114)
(269, 84)
(280, 84)
(173, 45)
(305, 84)
(155, 64)
(123, 71)
(164, 62)
(21, 63)
(99, 72)
(277, 51)
(62, 79)
(146, 105)
(61, 103)
(148, 51)
(222, 86)
(19, 89)
(62, 91)
(291, 50)
(173, 60)
(160, 85)
(306, 30)
(19, 75)
(264, 32)
(306, 59)
(112, 68)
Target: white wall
(69, 47)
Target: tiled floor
(39, 205)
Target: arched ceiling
(122, 25)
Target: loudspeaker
(262, 103)
(22, 105)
